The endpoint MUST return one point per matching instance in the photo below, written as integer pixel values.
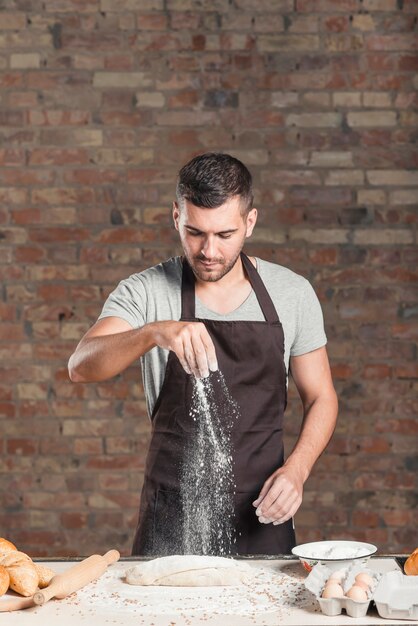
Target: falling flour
(207, 478)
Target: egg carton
(396, 596)
(317, 579)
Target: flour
(270, 591)
(207, 480)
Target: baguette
(4, 580)
(24, 578)
(411, 564)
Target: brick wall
(100, 103)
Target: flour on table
(269, 591)
(190, 571)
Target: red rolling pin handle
(76, 577)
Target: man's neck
(228, 293)
(234, 278)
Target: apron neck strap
(263, 297)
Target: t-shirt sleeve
(128, 301)
(310, 334)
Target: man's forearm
(317, 428)
(101, 357)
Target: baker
(216, 308)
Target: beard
(212, 274)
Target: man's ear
(176, 215)
(251, 222)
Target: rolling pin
(76, 577)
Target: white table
(111, 601)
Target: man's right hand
(190, 341)
(111, 345)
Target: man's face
(212, 239)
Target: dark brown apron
(250, 356)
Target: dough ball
(189, 571)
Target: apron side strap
(263, 296)
(187, 292)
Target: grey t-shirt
(155, 295)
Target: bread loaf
(45, 575)
(411, 564)
(24, 578)
(6, 546)
(4, 580)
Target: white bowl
(334, 554)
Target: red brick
(377, 371)
(88, 446)
(408, 63)
(119, 62)
(7, 409)
(342, 371)
(117, 100)
(108, 519)
(46, 235)
(8, 312)
(96, 255)
(183, 99)
(11, 332)
(323, 256)
(371, 445)
(376, 536)
(26, 216)
(408, 371)
(398, 518)
(21, 446)
(58, 118)
(11, 157)
(74, 520)
(5, 392)
(52, 292)
(158, 21)
(116, 462)
(114, 482)
(16, 177)
(326, 6)
(62, 196)
(401, 426)
(122, 118)
(56, 447)
(58, 156)
(53, 501)
(366, 519)
(392, 42)
(337, 24)
(93, 177)
(29, 254)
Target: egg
(332, 590)
(357, 593)
(364, 578)
(363, 585)
(337, 576)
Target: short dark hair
(212, 178)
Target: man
(217, 308)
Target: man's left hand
(280, 497)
